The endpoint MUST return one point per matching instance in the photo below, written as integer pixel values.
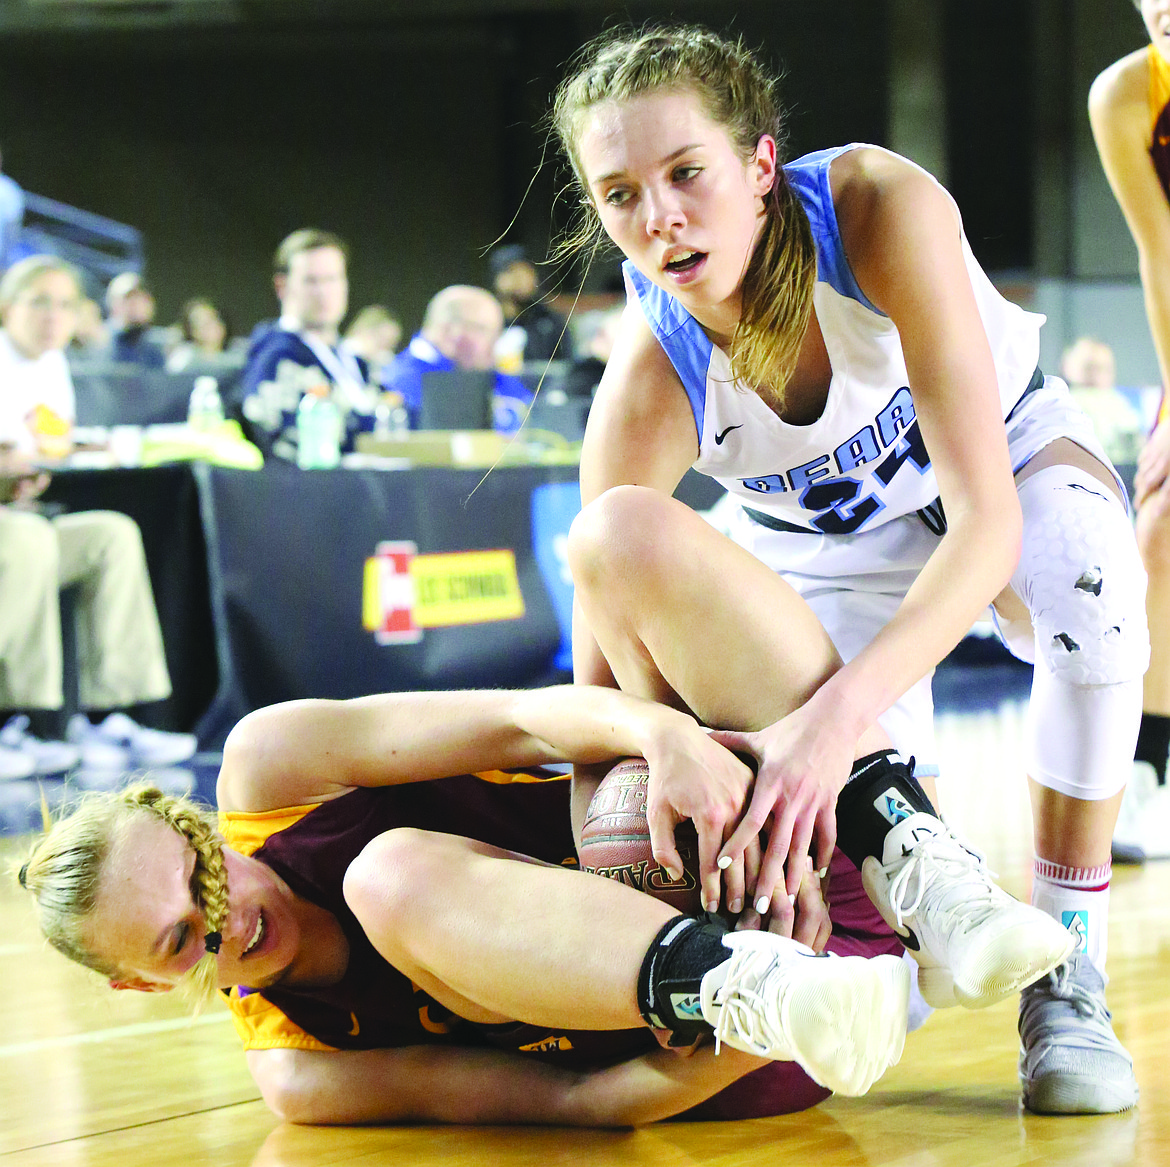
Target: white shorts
(855, 583)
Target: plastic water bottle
(205, 408)
(319, 426)
(399, 421)
(390, 417)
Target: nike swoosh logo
(356, 1027)
(910, 940)
(719, 437)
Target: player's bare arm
(1119, 115)
(901, 233)
(458, 1085)
(279, 756)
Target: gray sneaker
(1070, 1059)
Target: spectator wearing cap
(544, 334)
(130, 315)
(460, 329)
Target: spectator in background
(374, 335)
(303, 350)
(1129, 109)
(460, 329)
(595, 335)
(11, 218)
(1089, 367)
(119, 644)
(130, 314)
(533, 330)
(203, 334)
(91, 338)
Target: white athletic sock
(1079, 898)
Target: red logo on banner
(388, 594)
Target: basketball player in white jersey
(820, 339)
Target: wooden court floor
(89, 1077)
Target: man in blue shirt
(459, 331)
(130, 311)
(302, 351)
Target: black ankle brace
(672, 971)
(880, 793)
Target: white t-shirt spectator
(25, 384)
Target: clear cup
(125, 444)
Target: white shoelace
(743, 1006)
(977, 901)
(1062, 985)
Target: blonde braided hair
(209, 878)
(63, 873)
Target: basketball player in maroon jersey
(1129, 108)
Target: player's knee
(605, 533)
(618, 532)
(286, 1088)
(390, 879)
(28, 549)
(1085, 585)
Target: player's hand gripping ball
(615, 840)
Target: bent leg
(120, 648)
(30, 613)
(1082, 582)
(1082, 587)
(676, 607)
(496, 938)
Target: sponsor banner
(404, 593)
(466, 587)
(388, 594)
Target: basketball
(615, 840)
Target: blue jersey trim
(809, 177)
(680, 334)
(682, 338)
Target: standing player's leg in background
(1076, 607)
(1143, 826)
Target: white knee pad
(1081, 737)
(1082, 579)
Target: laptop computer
(457, 399)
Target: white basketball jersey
(863, 461)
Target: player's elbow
(290, 1088)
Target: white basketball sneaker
(842, 1019)
(973, 942)
(48, 757)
